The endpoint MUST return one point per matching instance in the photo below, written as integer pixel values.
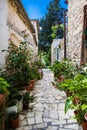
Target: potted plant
(13, 120)
(39, 65)
(3, 95)
(63, 70)
(33, 75)
(3, 89)
(17, 65)
(78, 100)
(26, 98)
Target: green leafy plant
(78, 100)
(4, 86)
(17, 67)
(56, 29)
(57, 69)
(13, 115)
(64, 68)
(38, 64)
(11, 102)
(26, 97)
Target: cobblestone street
(48, 108)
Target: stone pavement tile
(30, 114)
(72, 126)
(28, 128)
(58, 101)
(38, 107)
(58, 97)
(45, 106)
(40, 125)
(53, 114)
(52, 106)
(21, 128)
(64, 129)
(23, 123)
(70, 113)
(62, 115)
(31, 121)
(46, 113)
(47, 120)
(59, 122)
(71, 121)
(52, 128)
(61, 106)
(21, 117)
(38, 117)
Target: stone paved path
(48, 108)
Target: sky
(36, 9)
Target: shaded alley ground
(48, 108)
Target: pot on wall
(84, 125)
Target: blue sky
(37, 8)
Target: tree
(54, 16)
(57, 31)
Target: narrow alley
(48, 108)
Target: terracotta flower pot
(32, 82)
(76, 100)
(14, 123)
(2, 98)
(84, 125)
(68, 93)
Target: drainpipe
(64, 34)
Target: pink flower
(85, 116)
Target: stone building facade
(14, 20)
(76, 49)
(57, 50)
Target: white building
(57, 50)
(14, 20)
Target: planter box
(21, 92)
(11, 109)
(20, 105)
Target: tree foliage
(54, 16)
(57, 31)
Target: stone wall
(16, 26)
(4, 32)
(35, 24)
(11, 26)
(75, 29)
